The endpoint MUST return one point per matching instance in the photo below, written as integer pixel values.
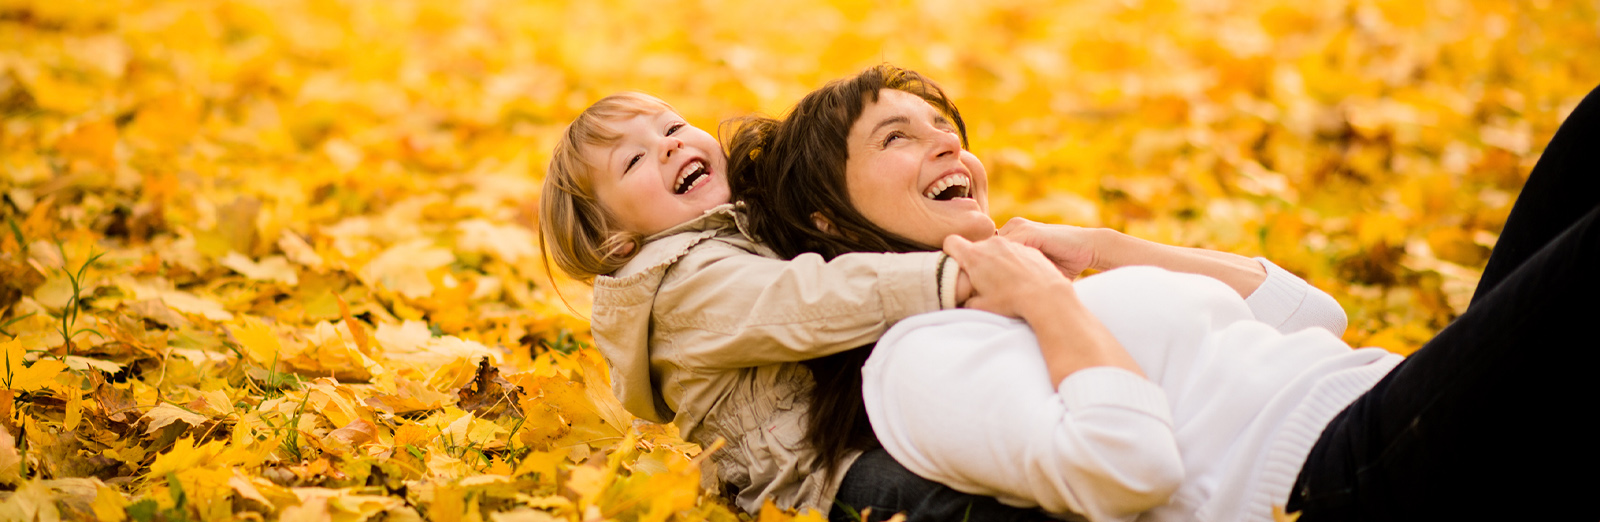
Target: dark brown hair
(787, 170)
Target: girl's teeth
(689, 171)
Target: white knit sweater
(1238, 390)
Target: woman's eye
(674, 128)
(891, 137)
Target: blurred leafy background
(275, 259)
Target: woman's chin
(975, 226)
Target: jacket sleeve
(1290, 304)
(969, 404)
(728, 308)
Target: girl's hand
(1072, 249)
(1007, 278)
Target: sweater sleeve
(1290, 304)
(728, 308)
(962, 398)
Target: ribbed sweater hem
(1287, 451)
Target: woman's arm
(1275, 296)
(961, 398)
(1015, 280)
(1075, 249)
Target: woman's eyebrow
(889, 121)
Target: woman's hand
(1075, 249)
(1007, 278)
(1015, 280)
(1072, 249)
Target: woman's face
(907, 172)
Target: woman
(942, 196)
(1237, 417)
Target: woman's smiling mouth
(693, 175)
(949, 187)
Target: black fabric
(1494, 418)
(879, 482)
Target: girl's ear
(822, 223)
(620, 246)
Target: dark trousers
(1495, 417)
(879, 482)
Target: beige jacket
(705, 328)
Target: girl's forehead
(615, 132)
(617, 127)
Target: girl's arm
(1274, 295)
(724, 307)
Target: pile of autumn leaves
(274, 259)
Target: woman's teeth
(950, 187)
(692, 176)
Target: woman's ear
(822, 223)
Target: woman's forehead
(895, 105)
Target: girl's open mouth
(692, 175)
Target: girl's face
(661, 173)
(907, 172)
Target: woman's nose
(945, 144)
(669, 145)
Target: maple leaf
(10, 459)
(489, 394)
(409, 396)
(240, 187)
(18, 375)
(272, 268)
(165, 414)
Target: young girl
(701, 325)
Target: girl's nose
(669, 145)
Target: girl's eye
(674, 127)
(632, 161)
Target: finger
(1022, 231)
(981, 303)
(955, 239)
(992, 244)
(958, 247)
(1014, 224)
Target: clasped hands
(1023, 263)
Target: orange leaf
(356, 331)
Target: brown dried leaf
(489, 394)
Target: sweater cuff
(1115, 387)
(949, 271)
(1278, 296)
(908, 284)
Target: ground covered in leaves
(276, 260)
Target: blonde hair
(584, 240)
